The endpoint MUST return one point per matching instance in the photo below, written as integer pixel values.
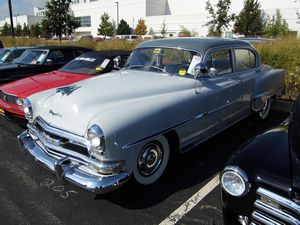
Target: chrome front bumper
(67, 172)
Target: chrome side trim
(280, 200)
(164, 131)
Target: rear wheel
(152, 161)
(264, 112)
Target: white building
(23, 19)
(190, 14)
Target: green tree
(106, 27)
(5, 29)
(277, 26)
(18, 30)
(25, 31)
(57, 20)
(184, 32)
(220, 18)
(251, 21)
(141, 28)
(123, 28)
(163, 30)
(35, 30)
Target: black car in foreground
(261, 183)
(39, 60)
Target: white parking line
(174, 217)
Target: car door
(222, 90)
(247, 68)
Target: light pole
(11, 19)
(117, 13)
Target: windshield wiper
(134, 67)
(163, 70)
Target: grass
(284, 53)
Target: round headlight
(27, 108)
(96, 138)
(19, 101)
(234, 181)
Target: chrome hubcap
(150, 158)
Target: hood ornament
(54, 113)
(67, 90)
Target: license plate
(2, 111)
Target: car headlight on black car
(97, 143)
(27, 108)
(235, 181)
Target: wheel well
(173, 140)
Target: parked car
(261, 182)
(83, 67)
(39, 60)
(172, 95)
(8, 55)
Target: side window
(221, 61)
(60, 56)
(245, 59)
(18, 53)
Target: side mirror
(200, 69)
(212, 72)
(49, 62)
(117, 62)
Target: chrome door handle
(235, 78)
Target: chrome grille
(8, 98)
(57, 140)
(274, 209)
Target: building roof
(198, 44)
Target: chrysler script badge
(67, 90)
(54, 113)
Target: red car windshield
(87, 65)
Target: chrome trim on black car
(271, 208)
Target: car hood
(30, 85)
(109, 94)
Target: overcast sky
(21, 7)
(25, 7)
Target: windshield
(4, 54)
(87, 65)
(168, 60)
(32, 56)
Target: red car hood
(30, 85)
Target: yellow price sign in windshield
(182, 72)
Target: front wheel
(152, 161)
(264, 112)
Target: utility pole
(117, 13)
(11, 19)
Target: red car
(82, 67)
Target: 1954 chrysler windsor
(171, 95)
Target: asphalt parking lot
(29, 194)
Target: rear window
(245, 59)
(87, 65)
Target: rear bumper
(66, 171)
